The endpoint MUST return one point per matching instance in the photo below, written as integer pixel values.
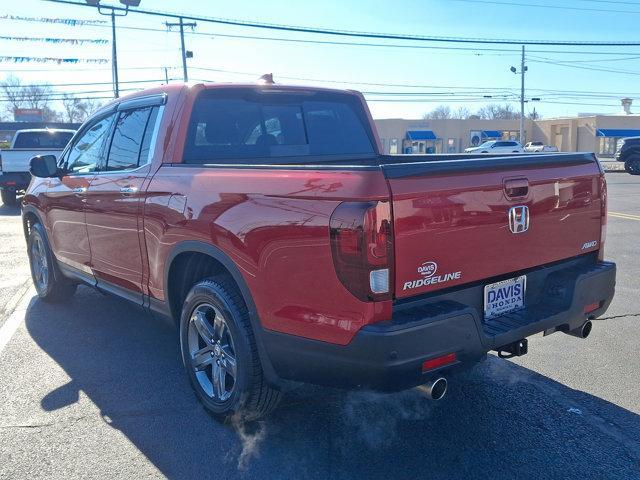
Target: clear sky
(588, 79)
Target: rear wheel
(50, 284)
(220, 354)
(632, 165)
(8, 197)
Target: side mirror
(44, 166)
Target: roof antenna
(266, 79)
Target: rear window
(244, 126)
(51, 139)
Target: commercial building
(585, 133)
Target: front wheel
(219, 352)
(632, 165)
(50, 285)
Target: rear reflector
(591, 307)
(379, 280)
(439, 361)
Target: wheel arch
(30, 216)
(181, 257)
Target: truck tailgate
(465, 220)
(19, 160)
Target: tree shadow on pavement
(502, 421)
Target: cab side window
(128, 137)
(88, 149)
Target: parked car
(628, 151)
(14, 162)
(266, 222)
(497, 146)
(539, 147)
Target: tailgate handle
(516, 187)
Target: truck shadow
(502, 421)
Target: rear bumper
(389, 355)
(15, 180)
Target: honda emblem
(519, 219)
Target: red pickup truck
(265, 220)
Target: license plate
(504, 297)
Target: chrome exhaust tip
(583, 331)
(437, 388)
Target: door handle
(128, 190)
(516, 187)
(79, 190)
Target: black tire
(9, 197)
(50, 284)
(250, 396)
(632, 165)
(484, 151)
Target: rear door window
(124, 153)
(246, 126)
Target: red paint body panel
(273, 224)
(460, 222)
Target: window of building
(607, 146)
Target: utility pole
(114, 55)
(185, 54)
(523, 69)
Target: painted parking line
(626, 216)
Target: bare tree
(444, 112)
(441, 112)
(13, 92)
(19, 95)
(461, 113)
(495, 111)
(77, 109)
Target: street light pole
(114, 55)
(114, 51)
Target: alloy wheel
(211, 351)
(39, 264)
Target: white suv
(497, 146)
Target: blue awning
(421, 135)
(491, 134)
(617, 132)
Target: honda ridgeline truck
(267, 222)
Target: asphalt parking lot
(95, 389)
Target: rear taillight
(362, 247)
(603, 216)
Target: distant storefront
(441, 136)
(591, 133)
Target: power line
(359, 34)
(86, 84)
(539, 5)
